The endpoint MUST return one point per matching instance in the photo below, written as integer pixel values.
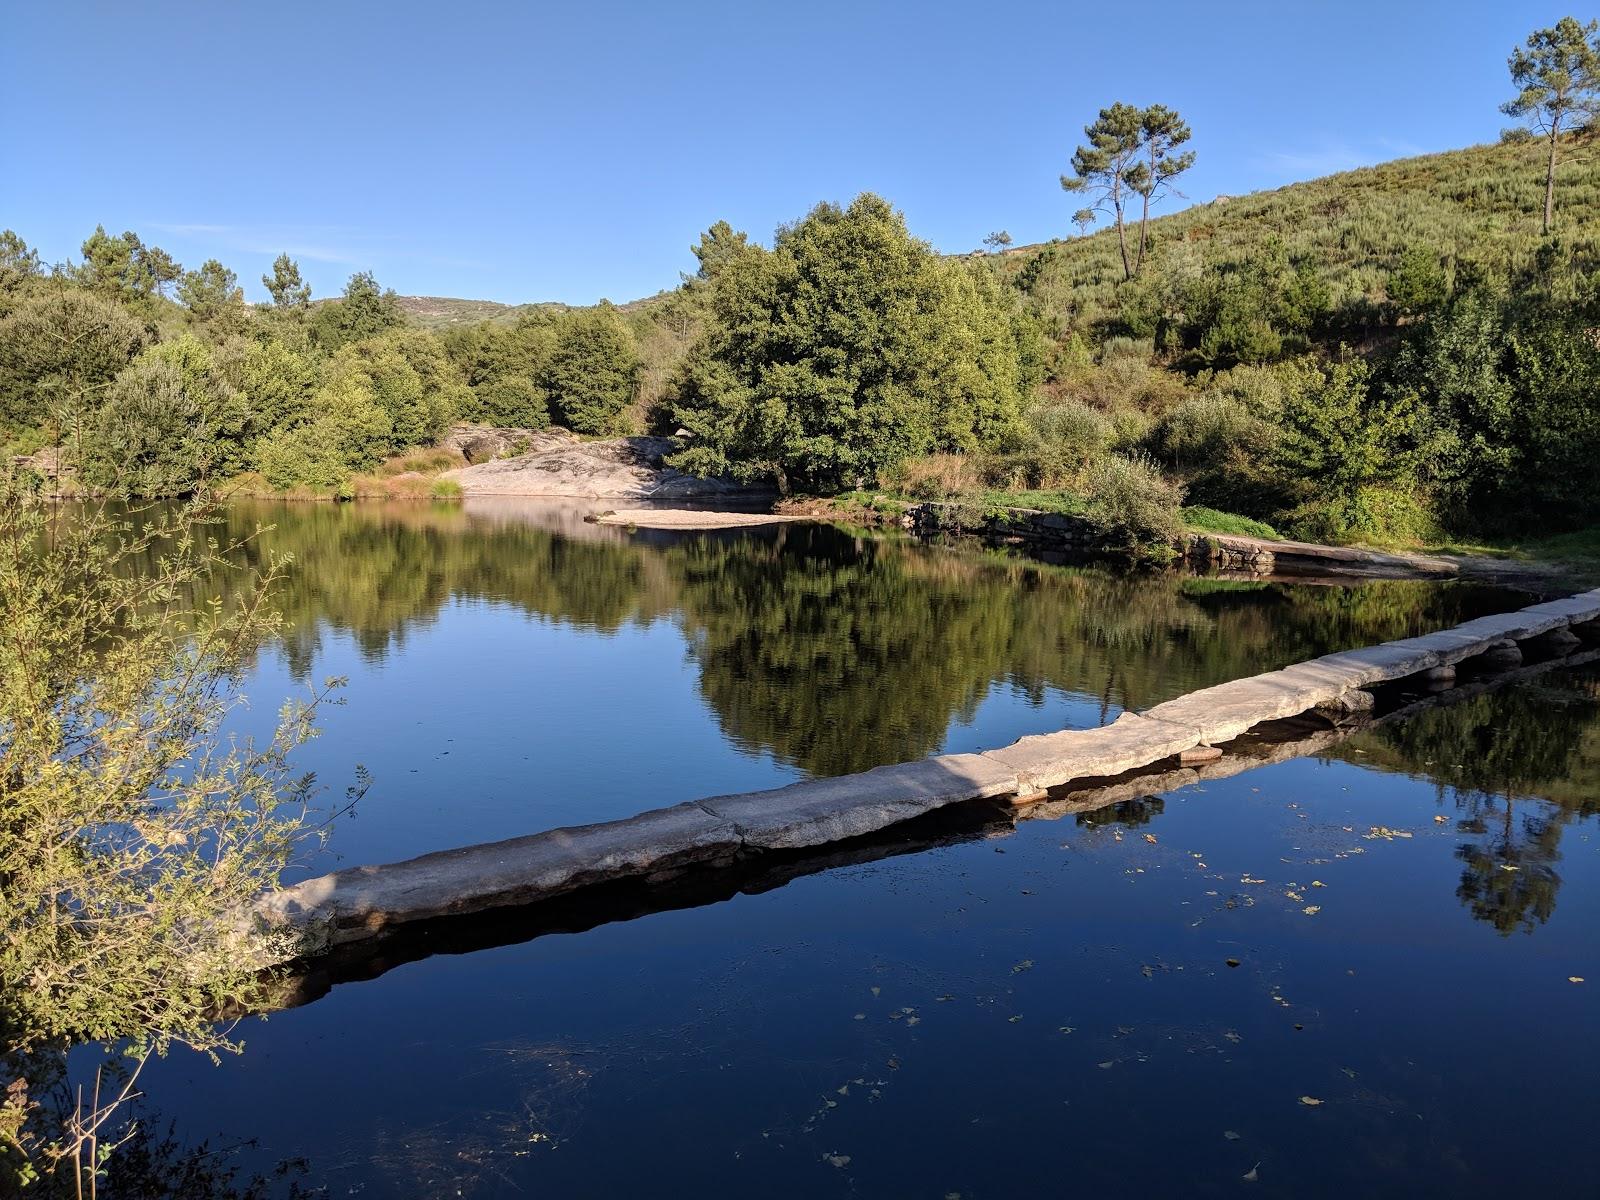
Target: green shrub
(510, 401)
(935, 477)
(1206, 433)
(1133, 503)
(1369, 513)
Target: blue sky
(538, 151)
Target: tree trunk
(1144, 220)
(1122, 239)
(1550, 182)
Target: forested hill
(1479, 204)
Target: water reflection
(1520, 766)
(830, 651)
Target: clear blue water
(1012, 1009)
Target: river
(1337, 975)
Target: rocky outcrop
(485, 443)
(631, 468)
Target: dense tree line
(1309, 369)
(152, 380)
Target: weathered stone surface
(1222, 713)
(483, 443)
(618, 468)
(1048, 760)
(354, 903)
(1287, 557)
(829, 810)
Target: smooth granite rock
(1048, 760)
(829, 810)
(358, 901)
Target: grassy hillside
(446, 312)
(1481, 204)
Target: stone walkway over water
(350, 905)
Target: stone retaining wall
(361, 902)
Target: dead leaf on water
(1251, 1175)
(1574, 978)
(1107, 1065)
(838, 1160)
(1230, 1135)
(1025, 965)
(1151, 838)
(1311, 910)
(1310, 1101)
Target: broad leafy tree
(593, 372)
(1557, 75)
(847, 348)
(60, 348)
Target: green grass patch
(1069, 503)
(1201, 519)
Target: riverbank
(358, 903)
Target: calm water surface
(1037, 1009)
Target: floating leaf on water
(1230, 1135)
(1574, 978)
(1440, 819)
(1294, 895)
(1251, 1175)
(1311, 910)
(1509, 867)
(1107, 1065)
(1310, 1101)
(843, 1091)
(1318, 883)
(838, 1160)
(1233, 1037)
(1015, 1019)
(859, 1017)
(1066, 1028)
(944, 999)
(1348, 1072)
(1025, 965)
(913, 1020)
(876, 990)
(1151, 838)
(1232, 962)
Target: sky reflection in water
(1038, 1012)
